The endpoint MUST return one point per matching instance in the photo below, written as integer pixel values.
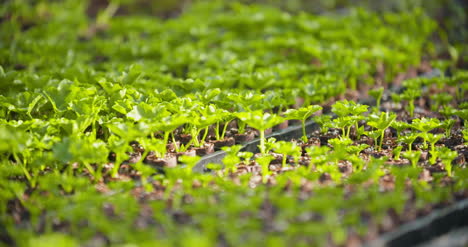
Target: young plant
(397, 152)
(399, 126)
(447, 156)
(246, 156)
(302, 114)
(410, 95)
(349, 113)
(447, 124)
(264, 161)
(121, 148)
(324, 121)
(318, 155)
(413, 157)
(261, 121)
(425, 125)
(356, 149)
(440, 99)
(377, 94)
(465, 135)
(224, 117)
(408, 139)
(168, 124)
(231, 159)
(381, 123)
(433, 139)
(190, 162)
(288, 149)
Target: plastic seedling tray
(292, 132)
(437, 223)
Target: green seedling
(224, 117)
(463, 114)
(448, 124)
(447, 156)
(288, 149)
(410, 95)
(440, 99)
(399, 126)
(433, 139)
(425, 125)
(349, 113)
(377, 94)
(324, 122)
(448, 111)
(465, 135)
(318, 155)
(270, 144)
(168, 124)
(231, 159)
(408, 139)
(340, 145)
(264, 161)
(302, 114)
(413, 157)
(121, 148)
(356, 149)
(381, 123)
(190, 162)
(201, 120)
(397, 152)
(260, 121)
(246, 156)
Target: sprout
(381, 123)
(413, 156)
(377, 93)
(302, 114)
(260, 121)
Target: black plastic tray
(419, 231)
(292, 132)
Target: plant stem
(205, 134)
(224, 129)
(381, 139)
(262, 141)
(304, 134)
(411, 108)
(218, 137)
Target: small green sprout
(399, 126)
(440, 99)
(448, 124)
(465, 135)
(260, 121)
(264, 161)
(318, 155)
(408, 139)
(231, 159)
(425, 125)
(411, 95)
(377, 94)
(349, 113)
(447, 156)
(397, 152)
(324, 122)
(287, 148)
(190, 162)
(381, 123)
(302, 114)
(413, 157)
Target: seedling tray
(437, 223)
(292, 132)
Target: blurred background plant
(451, 15)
